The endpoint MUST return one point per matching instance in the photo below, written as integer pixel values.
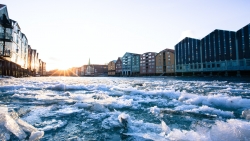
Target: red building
(147, 63)
(118, 67)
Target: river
(131, 108)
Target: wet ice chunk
(25, 126)
(231, 130)
(111, 122)
(124, 119)
(164, 127)
(82, 105)
(4, 134)
(11, 125)
(3, 110)
(155, 110)
(49, 125)
(246, 114)
(98, 108)
(36, 135)
(68, 111)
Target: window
(249, 34)
(243, 45)
(214, 45)
(224, 38)
(219, 42)
(230, 45)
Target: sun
(62, 67)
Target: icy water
(129, 109)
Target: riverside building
(188, 56)
(165, 62)
(14, 52)
(243, 44)
(220, 52)
(111, 68)
(130, 64)
(118, 66)
(147, 63)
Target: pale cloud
(187, 33)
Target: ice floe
(129, 108)
(16, 126)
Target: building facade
(14, 50)
(118, 66)
(44, 69)
(136, 64)
(40, 71)
(130, 64)
(220, 52)
(188, 55)
(147, 63)
(243, 48)
(111, 68)
(165, 62)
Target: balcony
(6, 53)
(6, 37)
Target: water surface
(151, 108)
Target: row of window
(148, 61)
(167, 70)
(148, 57)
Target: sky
(66, 33)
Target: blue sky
(68, 33)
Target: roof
(2, 5)
(167, 49)
(4, 16)
(148, 52)
(131, 53)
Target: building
(118, 67)
(147, 63)
(29, 59)
(221, 52)
(165, 62)
(40, 71)
(111, 68)
(15, 53)
(13, 46)
(188, 56)
(130, 64)
(93, 70)
(37, 64)
(43, 69)
(243, 49)
(100, 70)
(136, 64)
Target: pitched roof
(2, 5)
